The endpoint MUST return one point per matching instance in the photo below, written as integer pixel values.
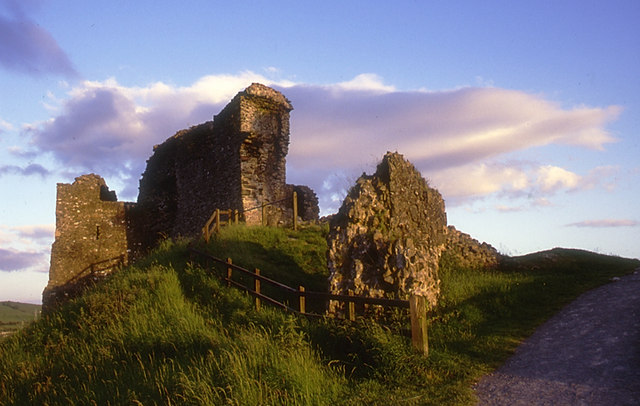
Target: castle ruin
(237, 161)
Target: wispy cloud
(14, 260)
(32, 169)
(35, 232)
(605, 223)
(455, 137)
(26, 247)
(27, 47)
(5, 126)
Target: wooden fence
(417, 305)
(232, 216)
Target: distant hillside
(14, 314)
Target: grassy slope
(13, 315)
(166, 332)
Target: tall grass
(167, 332)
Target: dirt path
(588, 354)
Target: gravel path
(587, 354)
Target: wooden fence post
(418, 308)
(217, 220)
(351, 308)
(295, 210)
(302, 300)
(256, 288)
(236, 215)
(229, 272)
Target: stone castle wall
(237, 161)
(91, 235)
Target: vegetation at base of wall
(165, 331)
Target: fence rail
(416, 304)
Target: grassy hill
(165, 331)
(15, 315)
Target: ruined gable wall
(91, 234)
(388, 235)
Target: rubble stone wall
(387, 237)
(237, 161)
(467, 252)
(91, 235)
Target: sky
(524, 115)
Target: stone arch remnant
(386, 239)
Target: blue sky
(525, 115)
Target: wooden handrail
(215, 218)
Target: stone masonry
(467, 252)
(91, 236)
(237, 161)
(387, 237)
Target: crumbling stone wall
(308, 207)
(237, 161)
(387, 237)
(467, 252)
(91, 236)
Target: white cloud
(605, 223)
(454, 137)
(368, 82)
(434, 130)
(551, 178)
(477, 180)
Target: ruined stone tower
(237, 161)
(91, 236)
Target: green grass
(14, 316)
(165, 331)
